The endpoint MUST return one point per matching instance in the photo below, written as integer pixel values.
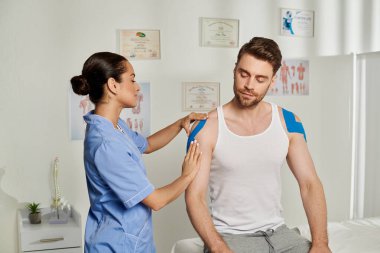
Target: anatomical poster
(292, 79)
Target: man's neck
(248, 112)
(247, 121)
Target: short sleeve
(140, 141)
(122, 173)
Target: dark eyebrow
(243, 70)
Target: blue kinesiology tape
(195, 132)
(292, 124)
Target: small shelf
(56, 238)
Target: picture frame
(140, 44)
(200, 96)
(297, 23)
(219, 32)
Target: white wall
(44, 43)
(372, 138)
(346, 26)
(325, 114)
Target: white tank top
(245, 182)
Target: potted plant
(34, 213)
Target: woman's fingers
(193, 152)
(186, 121)
(190, 151)
(193, 149)
(197, 116)
(196, 151)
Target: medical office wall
(43, 43)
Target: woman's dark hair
(97, 69)
(263, 49)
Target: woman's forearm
(163, 137)
(166, 194)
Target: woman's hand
(162, 196)
(186, 121)
(192, 162)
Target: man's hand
(224, 249)
(320, 249)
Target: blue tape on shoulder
(195, 132)
(292, 125)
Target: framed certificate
(218, 32)
(200, 96)
(140, 44)
(297, 23)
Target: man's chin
(247, 103)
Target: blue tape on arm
(292, 125)
(195, 132)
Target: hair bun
(80, 85)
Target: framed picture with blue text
(297, 23)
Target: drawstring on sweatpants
(267, 234)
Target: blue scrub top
(117, 183)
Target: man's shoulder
(291, 122)
(286, 114)
(206, 128)
(212, 117)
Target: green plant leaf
(33, 207)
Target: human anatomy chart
(292, 79)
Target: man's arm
(312, 194)
(196, 193)
(164, 136)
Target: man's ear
(273, 81)
(112, 85)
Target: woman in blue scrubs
(121, 196)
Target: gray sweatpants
(280, 240)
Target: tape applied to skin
(195, 132)
(292, 124)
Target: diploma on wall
(297, 23)
(140, 44)
(200, 96)
(218, 32)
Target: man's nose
(250, 84)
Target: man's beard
(248, 103)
